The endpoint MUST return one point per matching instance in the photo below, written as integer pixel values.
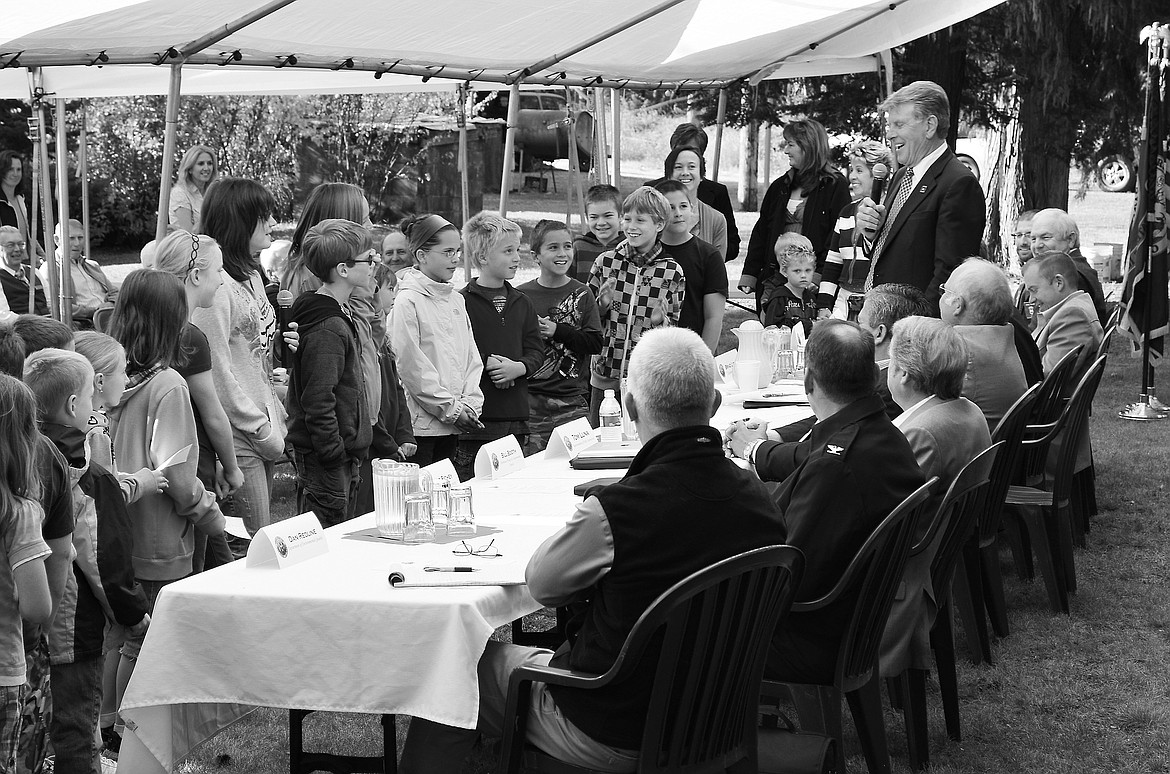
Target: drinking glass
(460, 516)
(419, 527)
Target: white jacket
(434, 349)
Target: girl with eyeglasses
(432, 341)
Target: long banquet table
(332, 634)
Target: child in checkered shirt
(638, 287)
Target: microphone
(284, 300)
(880, 173)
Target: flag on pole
(1141, 292)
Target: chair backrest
(956, 517)
(1076, 424)
(714, 627)
(1009, 431)
(1046, 412)
(876, 573)
(101, 319)
(1106, 338)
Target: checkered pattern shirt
(643, 284)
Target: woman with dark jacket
(805, 200)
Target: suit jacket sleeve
(775, 461)
(959, 230)
(1067, 334)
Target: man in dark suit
(838, 485)
(932, 215)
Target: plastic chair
(978, 584)
(876, 572)
(1085, 481)
(1049, 521)
(952, 528)
(1046, 410)
(302, 762)
(714, 627)
(101, 319)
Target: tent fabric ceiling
(683, 42)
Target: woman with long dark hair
(806, 199)
(240, 325)
(13, 207)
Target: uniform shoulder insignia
(834, 449)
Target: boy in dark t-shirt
(702, 309)
(558, 392)
(789, 296)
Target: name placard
(442, 471)
(288, 542)
(569, 439)
(499, 458)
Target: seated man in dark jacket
(838, 485)
(625, 545)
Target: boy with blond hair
(506, 332)
(102, 589)
(638, 287)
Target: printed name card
(499, 458)
(568, 440)
(442, 471)
(288, 542)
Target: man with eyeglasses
(681, 507)
(15, 274)
(1022, 239)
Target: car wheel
(970, 164)
(1115, 173)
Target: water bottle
(611, 419)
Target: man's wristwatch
(749, 453)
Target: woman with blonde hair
(197, 170)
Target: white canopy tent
(683, 44)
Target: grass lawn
(1087, 693)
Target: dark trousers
(77, 694)
(329, 492)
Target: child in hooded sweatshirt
(603, 213)
(329, 421)
(101, 589)
(154, 426)
(430, 335)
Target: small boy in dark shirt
(789, 295)
(603, 213)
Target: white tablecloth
(331, 634)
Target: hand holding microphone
(869, 211)
(284, 301)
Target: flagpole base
(1141, 411)
(1158, 405)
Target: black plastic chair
(952, 528)
(302, 762)
(978, 584)
(1050, 520)
(101, 319)
(1046, 410)
(715, 627)
(1085, 481)
(876, 573)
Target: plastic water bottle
(611, 419)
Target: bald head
(839, 357)
(672, 379)
(1054, 231)
(977, 293)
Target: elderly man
(15, 274)
(977, 301)
(1066, 317)
(625, 545)
(932, 216)
(1055, 231)
(838, 485)
(92, 290)
(928, 361)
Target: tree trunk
(1002, 186)
(1046, 141)
(940, 57)
(749, 166)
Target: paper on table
(177, 458)
(416, 575)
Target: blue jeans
(251, 502)
(11, 706)
(77, 691)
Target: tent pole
(34, 135)
(720, 120)
(465, 197)
(168, 161)
(83, 174)
(47, 201)
(574, 160)
(617, 139)
(600, 147)
(64, 275)
(509, 146)
(767, 154)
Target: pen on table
(451, 569)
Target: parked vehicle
(542, 130)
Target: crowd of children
(387, 357)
